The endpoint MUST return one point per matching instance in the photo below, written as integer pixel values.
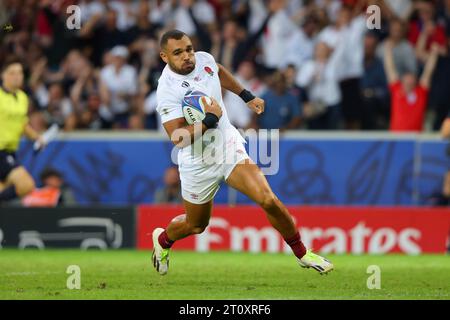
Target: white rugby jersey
(205, 78)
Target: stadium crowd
(315, 62)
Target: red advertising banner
(354, 230)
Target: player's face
(13, 76)
(179, 55)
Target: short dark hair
(171, 34)
(9, 61)
(50, 172)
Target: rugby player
(187, 70)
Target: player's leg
(18, 183)
(247, 178)
(194, 221)
(199, 185)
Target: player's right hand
(214, 107)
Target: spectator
(201, 39)
(136, 122)
(426, 21)
(400, 9)
(118, 87)
(330, 8)
(52, 193)
(423, 42)
(318, 79)
(280, 31)
(439, 97)
(202, 10)
(408, 99)
(161, 11)
(374, 88)
(90, 116)
(91, 8)
(444, 15)
(101, 33)
(403, 51)
(143, 28)
(60, 38)
(282, 109)
(256, 13)
(126, 10)
(348, 33)
(171, 192)
(267, 33)
(300, 47)
(290, 73)
(151, 118)
(238, 112)
(235, 45)
(59, 108)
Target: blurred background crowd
(315, 62)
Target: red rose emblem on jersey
(208, 69)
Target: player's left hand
(256, 105)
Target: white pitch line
(29, 273)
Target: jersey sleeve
(168, 105)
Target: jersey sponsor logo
(209, 70)
(185, 84)
(194, 196)
(359, 230)
(164, 111)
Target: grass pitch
(128, 274)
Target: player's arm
(229, 82)
(183, 135)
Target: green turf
(220, 275)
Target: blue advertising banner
(369, 171)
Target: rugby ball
(194, 106)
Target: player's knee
(268, 200)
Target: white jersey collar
(181, 76)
